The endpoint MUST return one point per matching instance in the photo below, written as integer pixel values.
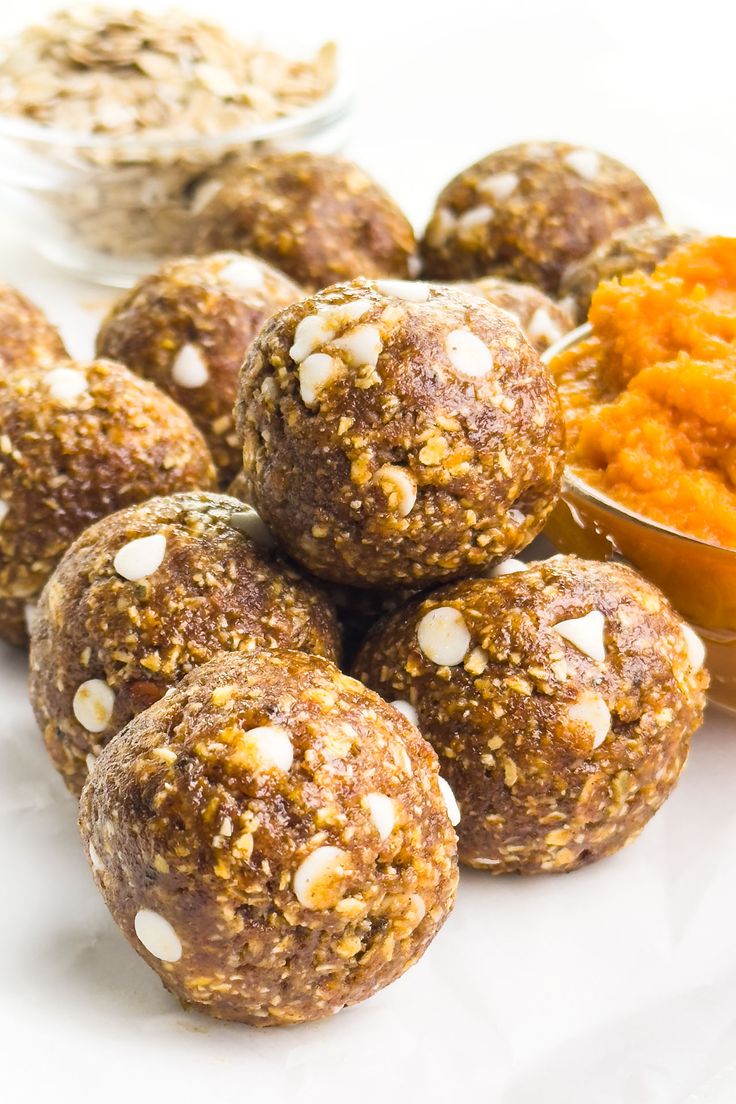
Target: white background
(614, 985)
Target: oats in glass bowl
(110, 120)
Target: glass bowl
(106, 208)
(699, 578)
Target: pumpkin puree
(650, 397)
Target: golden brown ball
(560, 700)
(272, 839)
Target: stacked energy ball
(276, 837)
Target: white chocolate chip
(189, 369)
(3, 510)
(695, 648)
(468, 354)
(30, 613)
(507, 567)
(268, 748)
(244, 274)
(400, 482)
(141, 557)
(453, 809)
(157, 935)
(412, 291)
(90, 762)
(320, 328)
(591, 710)
(407, 709)
(315, 372)
(310, 333)
(585, 634)
(443, 636)
(442, 224)
(543, 328)
(95, 859)
(252, 524)
(585, 163)
(382, 811)
(500, 185)
(93, 704)
(318, 879)
(474, 217)
(342, 313)
(66, 384)
(363, 345)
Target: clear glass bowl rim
(596, 498)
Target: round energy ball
(542, 320)
(357, 610)
(272, 838)
(528, 211)
(397, 434)
(188, 327)
(144, 596)
(26, 335)
(640, 247)
(78, 441)
(317, 217)
(560, 700)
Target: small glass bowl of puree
(649, 392)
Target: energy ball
(560, 700)
(78, 441)
(188, 327)
(144, 596)
(317, 217)
(397, 434)
(542, 319)
(640, 247)
(26, 335)
(528, 211)
(272, 838)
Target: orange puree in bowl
(651, 396)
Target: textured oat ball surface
(560, 700)
(272, 839)
(395, 433)
(543, 320)
(144, 596)
(317, 217)
(26, 335)
(188, 327)
(528, 211)
(78, 441)
(640, 247)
